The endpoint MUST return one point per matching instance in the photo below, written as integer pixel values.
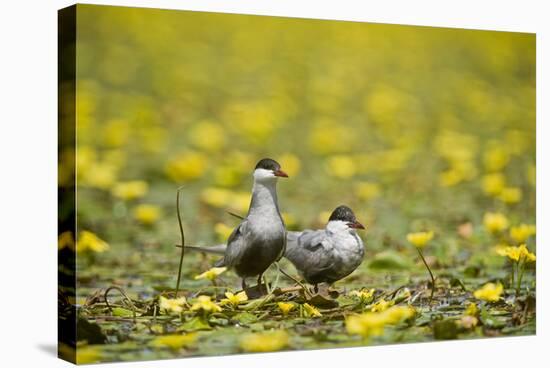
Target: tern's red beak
(280, 173)
(356, 225)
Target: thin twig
(182, 240)
(126, 298)
(296, 281)
(430, 271)
(235, 215)
(393, 293)
(289, 289)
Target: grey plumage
(260, 239)
(214, 249)
(325, 255)
(330, 254)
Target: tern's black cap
(342, 213)
(268, 164)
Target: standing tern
(330, 254)
(260, 238)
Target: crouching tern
(330, 254)
(260, 238)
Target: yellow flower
(147, 214)
(471, 310)
(204, 303)
(228, 176)
(174, 342)
(235, 299)
(451, 177)
(381, 305)
(311, 311)
(518, 254)
(366, 325)
(373, 323)
(383, 103)
(522, 232)
(172, 305)
(211, 274)
(489, 292)
(396, 314)
(265, 341)
(290, 163)
(253, 122)
(186, 166)
(493, 184)
(501, 249)
(241, 161)
(216, 197)
(222, 231)
(342, 167)
(116, 132)
(100, 175)
(330, 137)
(88, 241)
(524, 254)
(365, 295)
(227, 199)
(458, 172)
(495, 222)
(367, 191)
(208, 136)
(88, 354)
(285, 307)
(511, 252)
(510, 195)
(85, 157)
(93, 172)
(65, 240)
(496, 158)
(130, 190)
(420, 239)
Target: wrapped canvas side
(66, 184)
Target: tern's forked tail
(215, 249)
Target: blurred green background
(415, 128)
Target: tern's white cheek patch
(337, 226)
(263, 174)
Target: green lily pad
(195, 324)
(245, 318)
(445, 330)
(122, 312)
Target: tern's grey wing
(310, 251)
(291, 240)
(235, 245)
